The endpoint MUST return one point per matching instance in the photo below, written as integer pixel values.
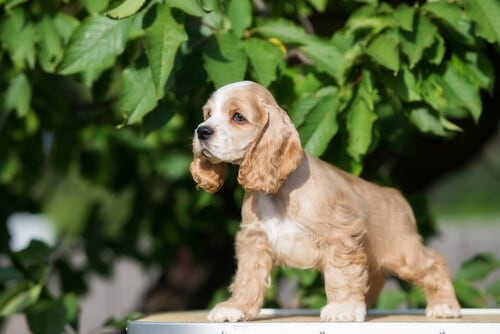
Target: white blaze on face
(227, 143)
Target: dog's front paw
(225, 312)
(347, 312)
(443, 310)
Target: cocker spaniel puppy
(301, 212)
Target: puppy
(301, 212)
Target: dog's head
(244, 125)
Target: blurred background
(100, 220)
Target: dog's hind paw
(443, 310)
(347, 312)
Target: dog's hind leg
(415, 263)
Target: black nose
(204, 132)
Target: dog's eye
(238, 118)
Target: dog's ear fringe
(208, 176)
(274, 155)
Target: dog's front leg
(346, 276)
(252, 278)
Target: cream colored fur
(302, 212)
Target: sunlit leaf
(138, 94)
(164, 37)
(191, 7)
(224, 59)
(454, 19)
(284, 30)
(460, 91)
(239, 12)
(384, 50)
(485, 14)
(18, 35)
(326, 56)
(126, 8)
(415, 42)
(321, 124)
(405, 15)
(95, 44)
(18, 297)
(265, 58)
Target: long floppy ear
(274, 155)
(208, 176)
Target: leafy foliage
(98, 100)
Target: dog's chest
(292, 244)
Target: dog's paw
(443, 310)
(348, 312)
(223, 313)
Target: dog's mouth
(210, 157)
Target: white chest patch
(292, 243)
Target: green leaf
(327, 57)
(415, 42)
(9, 274)
(18, 297)
(239, 13)
(384, 50)
(303, 106)
(94, 45)
(191, 7)
(404, 15)
(390, 300)
(224, 59)
(51, 49)
(453, 18)
(321, 124)
(494, 290)
(360, 118)
(485, 14)
(164, 38)
(432, 91)
(72, 307)
(122, 322)
(37, 253)
(436, 52)
(47, 317)
(404, 84)
(461, 92)
(448, 125)
(284, 30)
(476, 67)
(468, 295)
(478, 268)
(426, 121)
(138, 94)
(19, 36)
(319, 5)
(265, 58)
(95, 6)
(18, 95)
(126, 8)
